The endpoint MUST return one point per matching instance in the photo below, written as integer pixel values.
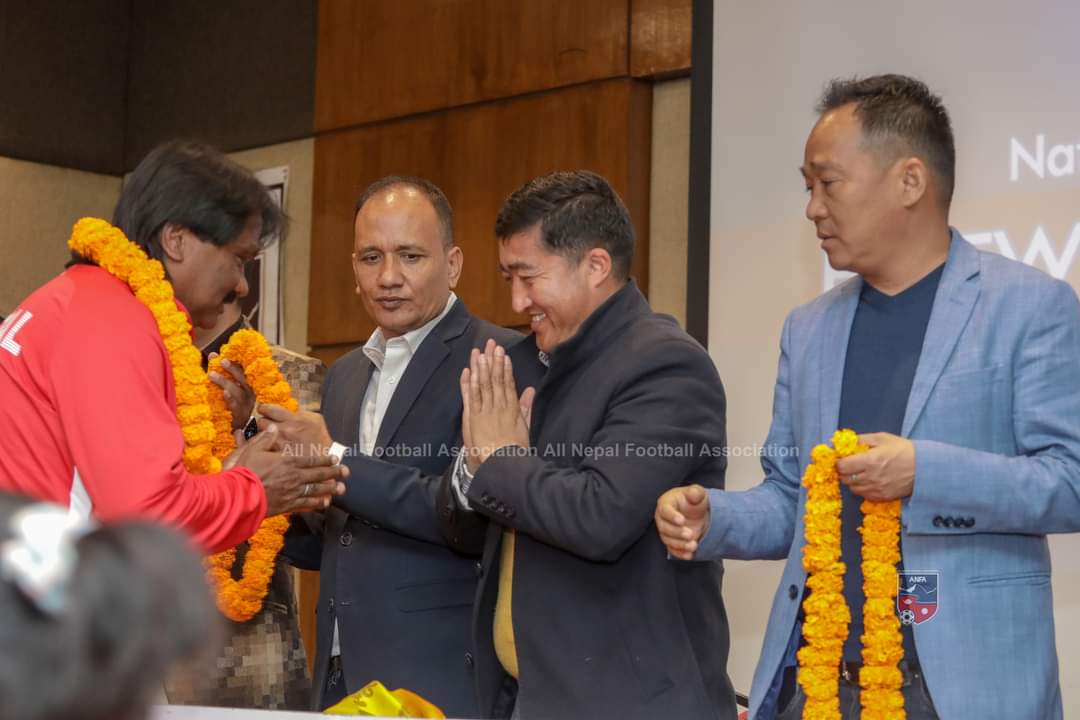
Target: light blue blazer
(994, 413)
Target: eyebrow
(517, 265)
(817, 167)
(407, 247)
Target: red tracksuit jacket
(88, 415)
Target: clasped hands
(493, 416)
(289, 454)
(885, 472)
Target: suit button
(479, 567)
(331, 604)
(970, 522)
(948, 522)
(468, 659)
(938, 521)
(793, 591)
(346, 538)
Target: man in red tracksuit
(87, 397)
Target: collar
(375, 347)
(623, 307)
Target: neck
(920, 253)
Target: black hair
(138, 601)
(190, 184)
(899, 114)
(430, 190)
(576, 211)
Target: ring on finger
(307, 489)
(854, 477)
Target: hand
(493, 416)
(239, 397)
(304, 431)
(292, 483)
(682, 518)
(884, 472)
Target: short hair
(193, 185)
(428, 189)
(577, 211)
(135, 603)
(899, 115)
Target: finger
(476, 404)
(874, 439)
(669, 512)
(274, 412)
(483, 377)
(672, 531)
(855, 463)
(236, 371)
(498, 383)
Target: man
(395, 601)
(87, 398)
(959, 369)
(578, 608)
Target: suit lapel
(429, 356)
(355, 389)
(955, 299)
(832, 347)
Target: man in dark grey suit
(394, 600)
(580, 614)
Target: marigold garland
(204, 418)
(827, 616)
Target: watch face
(251, 429)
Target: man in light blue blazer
(961, 370)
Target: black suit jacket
(605, 625)
(402, 598)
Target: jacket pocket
(435, 595)
(1024, 578)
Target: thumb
(693, 502)
(526, 403)
(874, 439)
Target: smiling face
(205, 276)
(556, 293)
(856, 199)
(404, 270)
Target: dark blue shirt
(882, 356)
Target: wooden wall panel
(378, 60)
(477, 155)
(660, 37)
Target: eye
(411, 258)
(369, 258)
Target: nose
(815, 207)
(519, 296)
(389, 271)
(242, 287)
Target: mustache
(230, 298)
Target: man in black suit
(580, 614)
(394, 600)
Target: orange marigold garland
(205, 420)
(240, 599)
(825, 627)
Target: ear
(173, 242)
(356, 271)
(914, 181)
(598, 266)
(455, 260)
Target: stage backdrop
(1007, 73)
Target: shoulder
(480, 331)
(655, 341)
(93, 301)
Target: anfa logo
(916, 597)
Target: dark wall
(94, 84)
(235, 73)
(63, 82)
